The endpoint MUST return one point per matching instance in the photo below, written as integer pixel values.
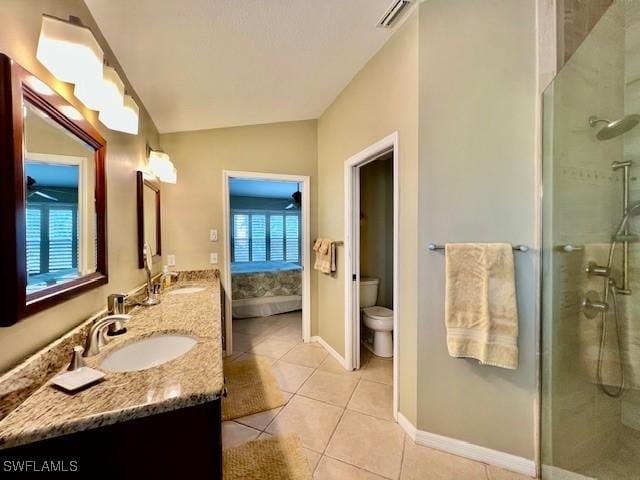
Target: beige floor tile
(308, 354)
(313, 421)
(332, 469)
(373, 398)
(495, 473)
(333, 388)
(249, 356)
(256, 326)
(243, 342)
(330, 364)
(264, 435)
(369, 443)
(423, 462)
(379, 370)
(312, 458)
(259, 420)
(272, 347)
(291, 377)
(235, 434)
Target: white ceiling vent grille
(393, 13)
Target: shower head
(612, 129)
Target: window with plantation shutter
(52, 239)
(260, 236)
(276, 237)
(63, 253)
(292, 233)
(240, 238)
(33, 240)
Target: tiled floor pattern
(344, 419)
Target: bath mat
(275, 458)
(251, 388)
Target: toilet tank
(368, 291)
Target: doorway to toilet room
(371, 286)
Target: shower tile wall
(577, 18)
(583, 194)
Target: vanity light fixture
(69, 50)
(162, 167)
(104, 93)
(122, 118)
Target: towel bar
(519, 248)
(337, 242)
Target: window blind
(52, 238)
(265, 236)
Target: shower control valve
(598, 270)
(592, 306)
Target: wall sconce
(69, 51)
(122, 118)
(162, 167)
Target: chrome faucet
(152, 290)
(96, 339)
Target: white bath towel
(480, 308)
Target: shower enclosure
(590, 423)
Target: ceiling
(261, 188)
(52, 175)
(201, 64)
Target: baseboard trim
(407, 426)
(329, 348)
(461, 448)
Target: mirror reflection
(150, 218)
(59, 173)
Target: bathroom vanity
(163, 421)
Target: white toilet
(376, 318)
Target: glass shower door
(590, 422)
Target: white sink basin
(147, 353)
(186, 290)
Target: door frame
(352, 253)
(305, 241)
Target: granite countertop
(192, 379)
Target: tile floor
(344, 419)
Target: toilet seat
(378, 313)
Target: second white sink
(147, 353)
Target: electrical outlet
(213, 258)
(213, 235)
(171, 260)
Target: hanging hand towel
(323, 256)
(480, 306)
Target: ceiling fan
(33, 190)
(296, 197)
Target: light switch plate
(213, 258)
(213, 235)
(171, 260)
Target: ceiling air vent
(393, 13)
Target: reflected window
(52, 223)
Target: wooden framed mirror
(149, 229)
(53, 199)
